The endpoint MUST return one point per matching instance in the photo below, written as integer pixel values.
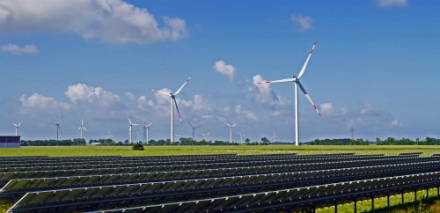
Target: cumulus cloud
(37, 104)
(264, 94)
(130, 96)
(222, 68)
(305, 22)
(328, 110)
(391, 3)
(17, 50)
(247, 114)
(110, 21)
(81, 92)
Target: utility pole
(352, 138)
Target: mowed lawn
(188, 150)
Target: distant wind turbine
(241, 138)
(58, 126)
(173, 103)
(130, 129)
(81, 128)
(16, 127)
(297, 83)
(230, 131)
(148, 130)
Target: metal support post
(415, 195)
(403, 196)
(355, 205)
(388, 200)
(336, 207)
(372, 204)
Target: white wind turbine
(230, 131)
(137, 136)
(82, 127)
(109, 136)
(130, 129)
(16, 127)
(241, 138)
(148, 130)
(177, 136)
(274, 136)
(58, 126)
(173, 102)
(297, 83)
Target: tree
(265, 140)
(247, 140)
(137, 146)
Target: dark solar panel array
(410, 153)
(116, 181)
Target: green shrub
(137, 146)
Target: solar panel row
(149, 192)
(292, 198)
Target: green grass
(185, 150)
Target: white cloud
(111, 21)
(396, 123)
(247, 114)
(222, 68)
(130, 96)
(17, 50)
(81, 92)
(36, 105)
(390, 3)
(328, 110)
(304, 21)
(264, 94)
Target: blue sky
(374, 67)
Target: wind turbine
(274, 136)
(206, 136)
(81, 128)
(16, 127)
(297, 83)
(193, 129)
(137, 136)
(130, 129)
(230, 131)
(173, 102)
(148, 130)
(177, 136)
(109, 136)
(58, 126)
(241, 138)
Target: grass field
(186, 150)
(427, 206)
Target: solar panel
(294, 197)
(149, 192)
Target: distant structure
(58, 126)
(297, 83)
(230, 131)
(81, 128)
(130, 129)
(16, 127)
(173, 103)
(241, 138)
(9, 141)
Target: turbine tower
(297, 83)
(109, 136)
(173, 102)
(130, 129)
(230, 131)
(194, 128)
(206, 136)
(58, 126)
(16, 127)
(81, 128)
(241, 138)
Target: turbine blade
(197, 127)
(278, 81)
(82, 121)
(160, 92)
(191, 125)
(183, 85)
(175, 103)
(234, 124)
(14, 124)
(60, 129)
(128, 119)
(85, 129)
(20, 123)
(150, 123)
(227, 124)
(78, 129)
(307, 61)
(305, 93)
